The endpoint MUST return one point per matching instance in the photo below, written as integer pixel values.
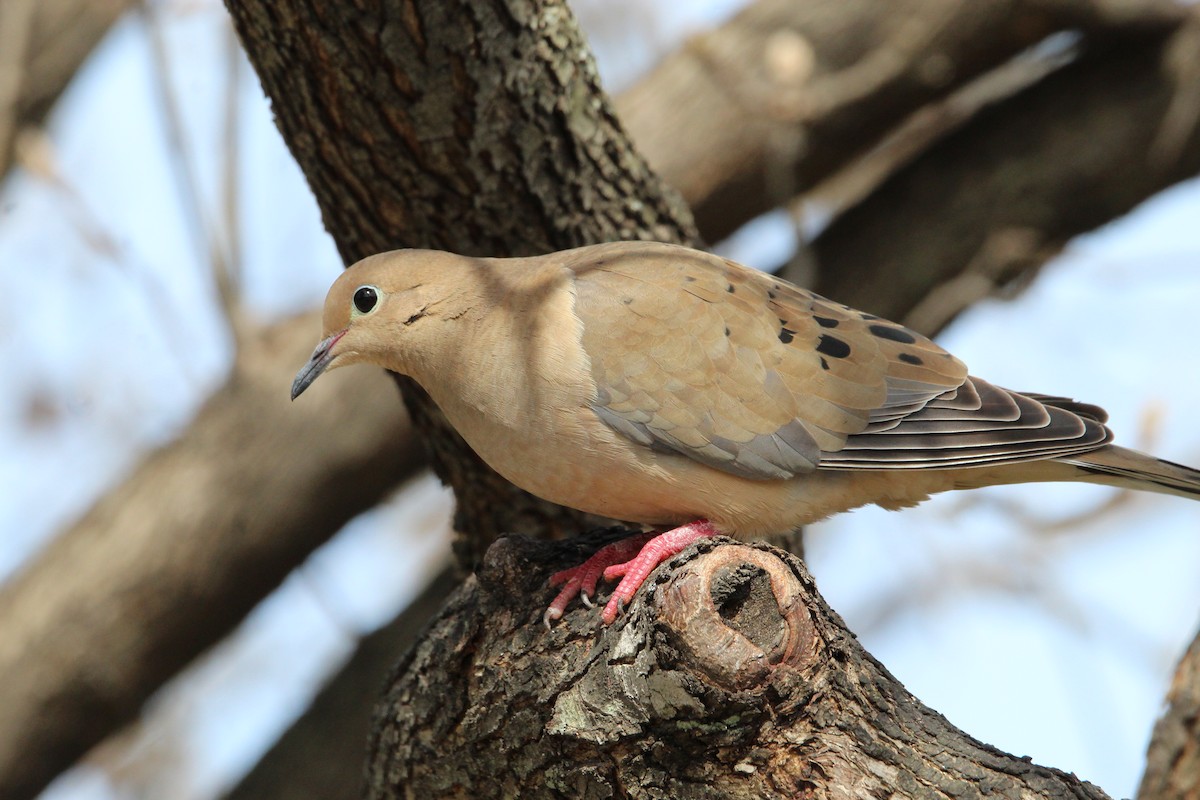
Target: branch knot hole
(742, 596)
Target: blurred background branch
(42, 45)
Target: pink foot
(635, 571)
(614, 561)
(581, 580)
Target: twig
(232, 198)
(203, 232)
(34, 152)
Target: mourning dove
(662, 385)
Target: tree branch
(731, 678)
(787, 92)
(1007, 191)
(52, 44)
(1173, 758)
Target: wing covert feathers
(744, 372)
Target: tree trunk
(321, 755)
(479, 128)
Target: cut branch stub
(736, 613)
(727, 677)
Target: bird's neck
(492, 369)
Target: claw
(558, 605)
(613, 609)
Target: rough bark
(42, 44)
(167, 563)
(789, 92)
(731, 679)
(1173, 758)
(1008, 190)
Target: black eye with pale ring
(365, 299)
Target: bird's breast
(548, 441)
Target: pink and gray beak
(320, 359)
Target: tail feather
(1119, 466)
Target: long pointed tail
(1118, 466)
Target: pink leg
(581, 580)
(635, 571)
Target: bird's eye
(365, 298)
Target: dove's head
(390, 310)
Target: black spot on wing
(832, 346)
(826, 322)
(894, 334)
(909, 358)
(786, 336)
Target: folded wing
(697, 355)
